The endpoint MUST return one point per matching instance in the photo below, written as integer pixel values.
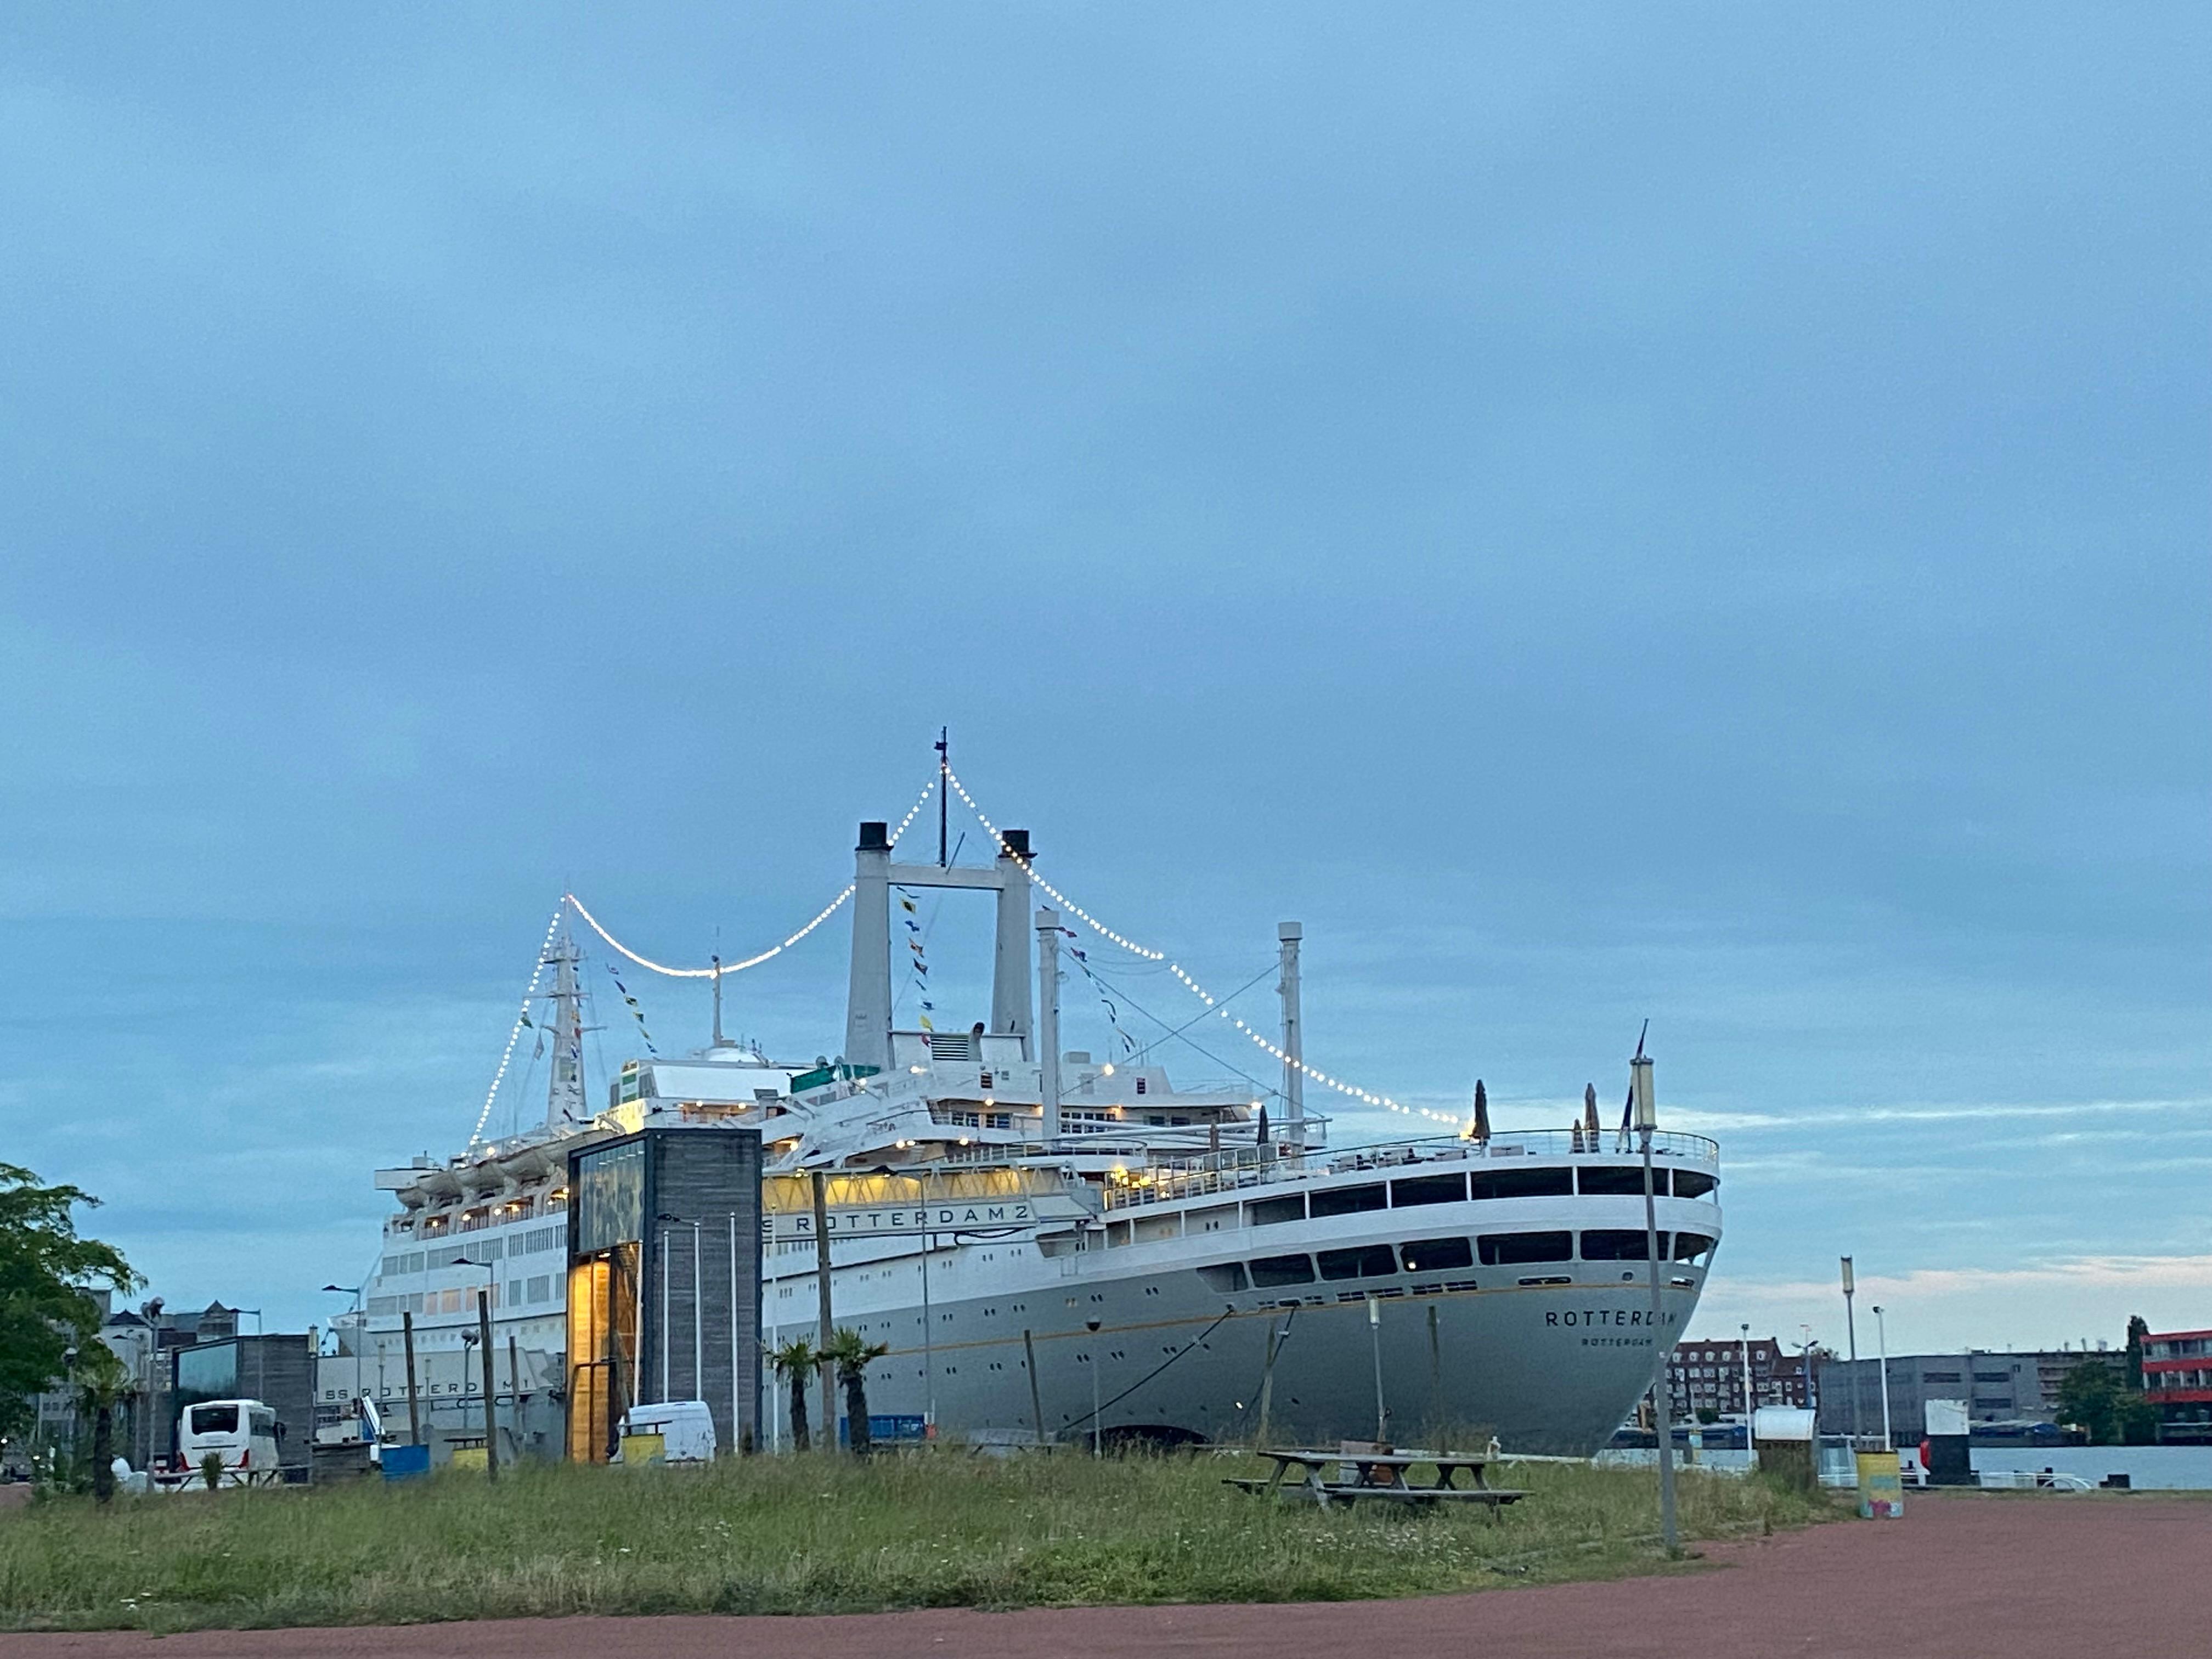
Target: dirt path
(2031, 1577)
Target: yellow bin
(468, 1457)
(644, 1448)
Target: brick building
(1708, 1375)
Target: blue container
(883, 1428)
(406, 1462)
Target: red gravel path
(2048, 1578)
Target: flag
(926, 1025)
(906, 904)
(920, 966)
(526, 1020)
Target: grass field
(815, 1534)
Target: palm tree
(796, 1362)
(852, 1353)
(102, 1384)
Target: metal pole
(414, 1417)
(513, 1392)
(1881, 1337)
(662, 1264)
(1851, 1337)
(1375, 1341)
(1091, 1325)
(735, 1418)
(483, 1343)
(1036, 1400)
(1748, 1407)
(637, 1328)
(1288, 934)
(1275, 1335)
(928, 1349)
(1660, 1417)
(698, 1323)
(1047, 1049)
(822, 1296)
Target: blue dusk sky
(1603, 514)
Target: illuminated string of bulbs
(711, 970)
(1366, 1096)
(515, 1036)
(1030, 870)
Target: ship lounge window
(1266, 1212)
(1692, 1247)
(1429, 1189)
(1693, 1183)
(1362, 1261)
(1618, 1244)
(1225, 1276)
(1509, 1247)
(1619, 1180)
(1346, 1201)
(1428, 1256)
(1522, 1183)
(1268, 1271)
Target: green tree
(46, 1272)
(796, 1362)
(102, 1381)
(2138, 1328)
(852, 1355)
(2094, 1396)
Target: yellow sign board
(1881, 1486)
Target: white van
(686, 1428)
(242, 1432)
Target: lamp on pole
(1748, 1407)
(1881, 1340)
(1851, 1342)
(1091, 1325)
(1646, 1121)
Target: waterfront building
(2178, 1379)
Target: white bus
(242, 1432)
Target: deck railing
(1246, 1167)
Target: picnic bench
(1379, 1476)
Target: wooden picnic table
(1381, 1475)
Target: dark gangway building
(663, 1282)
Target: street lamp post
(1749, 1408)
(1851, 1341)
(1091, 1325)
(1646, 1121)
(1881, 1340)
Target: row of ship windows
(1613, 1181)
(483, 1249)
(1430, 1256)
(461, 1298)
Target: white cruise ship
(1224, 1272)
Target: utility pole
(1646, 1121)
(1036, 1400)
(513, 1390)
(414, 1416)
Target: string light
(708, 972)
(1366, 1096)
(1030, 870)
(522, 1018)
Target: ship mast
(564, 1094)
